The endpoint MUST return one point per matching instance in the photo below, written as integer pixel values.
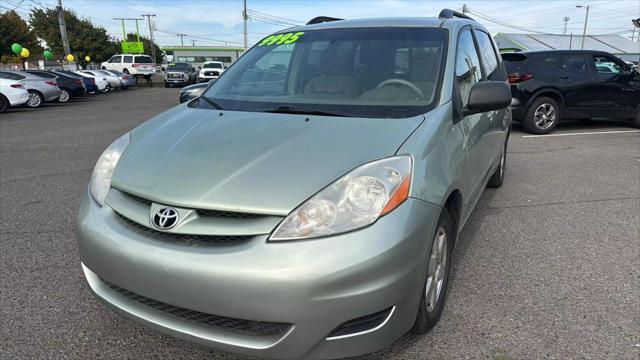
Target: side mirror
(488, 96)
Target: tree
(84, 38)
(15, 30)
(147, 46)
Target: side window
(10, 76)
(606, 65)
(127, 59)
(574, 63)
(488, 55)
(467, 65)
(115, 59)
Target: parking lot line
(584, 133)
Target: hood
(249, 162)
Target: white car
(101, 81)
(12, 93)
(136, 65)
(210, 71)
(114, 81)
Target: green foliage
(15, 30)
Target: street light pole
(244, 20)
(586, 19)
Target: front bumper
(181, 81)
(314, 285)
(202, 78)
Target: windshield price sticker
(279, 39)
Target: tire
(429, 312)
(64, 96)
(104, 68)
(126, 71)
(35, 99)
(166, 84)
(4, 104)
(542, 116)
(636, 122)
(496, 180)
(106, 89)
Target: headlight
(352, 202)
(101, 177)
(195, 92)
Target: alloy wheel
(34, 100)
(544, 116)
(436, 269)
(64, 96)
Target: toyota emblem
(165, 218)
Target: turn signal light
(515, 78)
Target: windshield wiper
(301, 111)
(211, 102)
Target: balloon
(25, 53)
(87, 58)
(70, 58)
(47, 55)
(16, 48)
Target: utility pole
(63, 29)
(245, 18)
(566, 22)
(193, 42)
(153, 44)
(182, 38)
(465, 9)
(586, 19)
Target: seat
(335, 76)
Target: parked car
(69, 86)
(192, 91)
(88, 82)
(112, 80)
(313, 217)
(101, 81)
(136, 65)
(12, 93)
(551, 86)
(40, 89)
(179, 74)
(210, 71)
(126, 80)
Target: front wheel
(438, 266)
(4, 104)
(496, 180)
(106, 89)
(64, 96)
(542, 116)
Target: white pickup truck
(136, 65)
(210, 70)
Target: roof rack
(322, 19)
(450, 14)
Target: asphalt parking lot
(548, 266)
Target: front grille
(240, 326)
(228, 214)
(183, 239)
(211, 73)
(361, 324)
(175, 75)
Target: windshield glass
(362, 72)
(178, 67)
(212, 66)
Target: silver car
(306, 205)
(40, 89)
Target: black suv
(549, 86)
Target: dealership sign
(132, 47)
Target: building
(614, 44)
(196, 55)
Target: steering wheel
(404, 83)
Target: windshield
(178, 67)
(212, 66)
(363, 72)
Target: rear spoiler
(514, 56)
(322, 19)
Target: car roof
(526, 53)
(429, 22)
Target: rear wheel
(64, 95)
(542, 116)
(636, 121)
(35, 99)
(126, 71)
(434, 290)
(4, 104)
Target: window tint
(606, 65)
(467, 65)
(574, 63)
(128, 59)
(10, 76)
(144, 60)
(488, 55)
(115, 59)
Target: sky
(219, 22)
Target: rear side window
(513, 62)
(573, 63)
(143, 60)
(488, 55)
(467, 65)
(127, 59)
(10, 76)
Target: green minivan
(307, 204)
